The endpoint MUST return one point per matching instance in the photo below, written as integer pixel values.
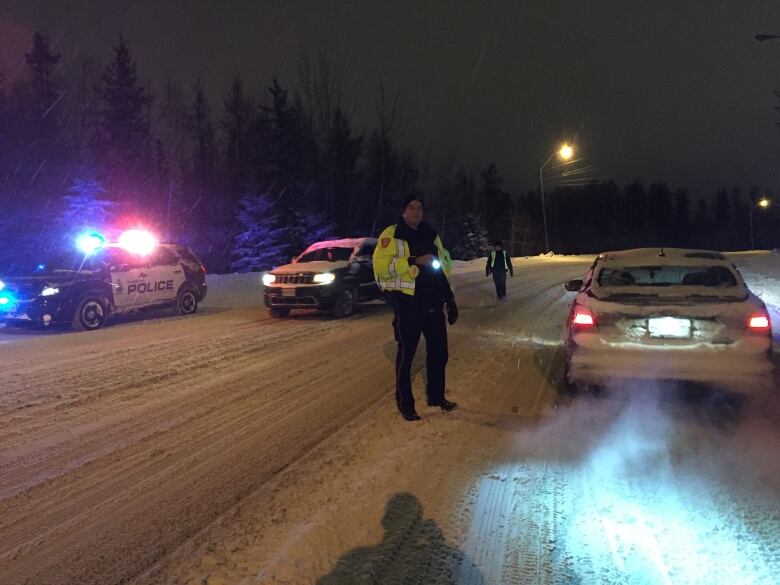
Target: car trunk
(650, 320)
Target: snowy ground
(233, 448)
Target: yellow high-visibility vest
(392, 271)
(493, 260)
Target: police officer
(412, 267)
(498, 264)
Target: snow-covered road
(233, 448)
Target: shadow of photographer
(413, 550)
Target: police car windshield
(326, 255)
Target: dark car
(84, 290)
(334, 275)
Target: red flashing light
(583, 318)
(759, 322)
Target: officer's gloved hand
(452, 312)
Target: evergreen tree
(682, 218)
(86, 206)
(46, 92)
(260, 243)
(660, 212)
(284, 150)
(343, 154)
(383, 162)
(496, 203)
(202, 129)
(702, 225)
(124, 115)
(238, 119)
(306, 227)
(35, 149)
(473, 239)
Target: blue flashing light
(89, 242)
(40, 267)
(6, 302)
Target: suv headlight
(49, 291)
(269, 279)
(325, 278)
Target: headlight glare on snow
(49, 291)
(268, 279)
(325, 278)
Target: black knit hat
(409, 198)
(498, 243)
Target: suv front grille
(294, 279)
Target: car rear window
(709, 276)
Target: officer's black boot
(447, 405)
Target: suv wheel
(186, 301)
(91, 312)
(346, 302)
(279, 313)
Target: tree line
(252, 180)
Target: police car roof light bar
(138, 242)
(90, 242)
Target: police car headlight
(325, 278)
(268, 279)
(49, 291)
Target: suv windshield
(655, 276)
(326, 254)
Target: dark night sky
(671, 90)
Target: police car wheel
(346, 302)
(186, 302)
(279, 313)
(91, 313)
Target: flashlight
(436, 264)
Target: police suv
(334, 275)
(83, 290)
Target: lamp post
(565, 152)
(762, 203)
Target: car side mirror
(573, 285)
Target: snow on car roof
(665, 257)
(342, 243)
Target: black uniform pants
(409, 323)
(499, 278)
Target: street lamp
(565, 152)
(762, 203)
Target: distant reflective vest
(493, 259)
(391, 263)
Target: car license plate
(288, 292)
(670, 327)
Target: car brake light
(583, 318)
(759, 322)
(203, 269)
